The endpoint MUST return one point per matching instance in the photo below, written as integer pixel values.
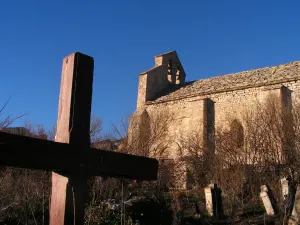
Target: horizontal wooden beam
(33, 153)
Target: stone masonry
(202, 106)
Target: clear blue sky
(211, 37)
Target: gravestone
(288, 192)
(213, 201)
(266, 198)
(295, 217)
(209, 201)
(284, 188)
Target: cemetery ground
(25, 195)
(26, 201)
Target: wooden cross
(70, 157)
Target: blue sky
(212, 37)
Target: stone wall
(188, 113)
(151, 83)
(187, 118)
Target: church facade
(205, 105)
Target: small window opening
(178, 73)
(170, 71)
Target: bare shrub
(259, 149)
(25, 193)
(149, 136)
(7, 120)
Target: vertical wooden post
(73, 126)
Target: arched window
(144, 134)
(237, 133)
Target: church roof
(236, 81)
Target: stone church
(204, 105)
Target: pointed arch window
(237, 133)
